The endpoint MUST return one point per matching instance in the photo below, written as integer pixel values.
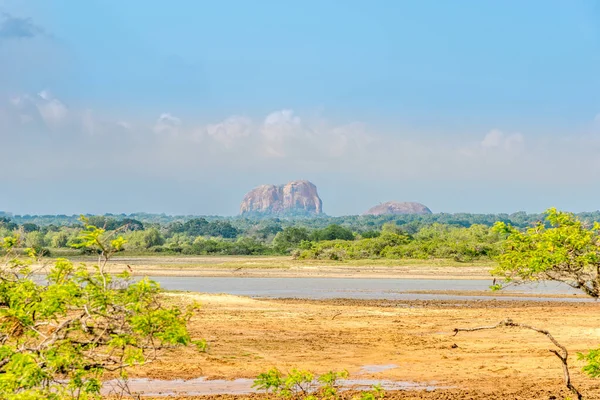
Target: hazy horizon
(121, 107)
(235, 201)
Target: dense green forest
(462, 237)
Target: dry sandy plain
(249, 336)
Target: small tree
(152, 237)
(60, 239)
(564, 250)
(332, 232)
(289, 238)
(58, 337)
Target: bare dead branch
(562, 353)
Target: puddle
(372, 369)
(202, 386)
(191, 387)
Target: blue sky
(181, 107)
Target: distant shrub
(437, 241)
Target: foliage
(592, 359)
(242, 246)
(436, 241)
(111, 223)
(302, 384)
(385, 238)
(35, 240)
(30, 227)
(297, 384)
(271, 381)
(59, 336)
(370, 234)
(59, 239)
(8, 224)
(289, 238)
(330, 383)
(266, 229)
(202, 227)
(332, 232)
(376, 394)
(151, 238)
(409, 223)
(566, 251)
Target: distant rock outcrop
(293, 198)
(395, 207)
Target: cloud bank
(173, 146)
(45, 139)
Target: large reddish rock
(395, 207)
(297, 197)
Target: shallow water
(371, 369)
(362, 288)
(202, 386)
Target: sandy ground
(286, 267)
(249, 336)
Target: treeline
(462, 237)
(357, 223)
(200, 236)
(435, 241)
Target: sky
(182, 107)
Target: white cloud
(278, 128)
(103, 127)
(492, 139)
(496, 139)
(348, 138)
(167, 124)
(45, 95)
(283, 142)
(52, 110)
(514, 142)
(313, 142)
(230, 131)
(284, 135)
(282, 117)
(124, 125)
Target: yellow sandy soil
(249, 336)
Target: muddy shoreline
(286, 267)
(325, 271)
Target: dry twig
(562, 353)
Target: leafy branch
(61, 333)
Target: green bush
(305, 385)
(58, 338)
(437, 241)
(332, 232)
